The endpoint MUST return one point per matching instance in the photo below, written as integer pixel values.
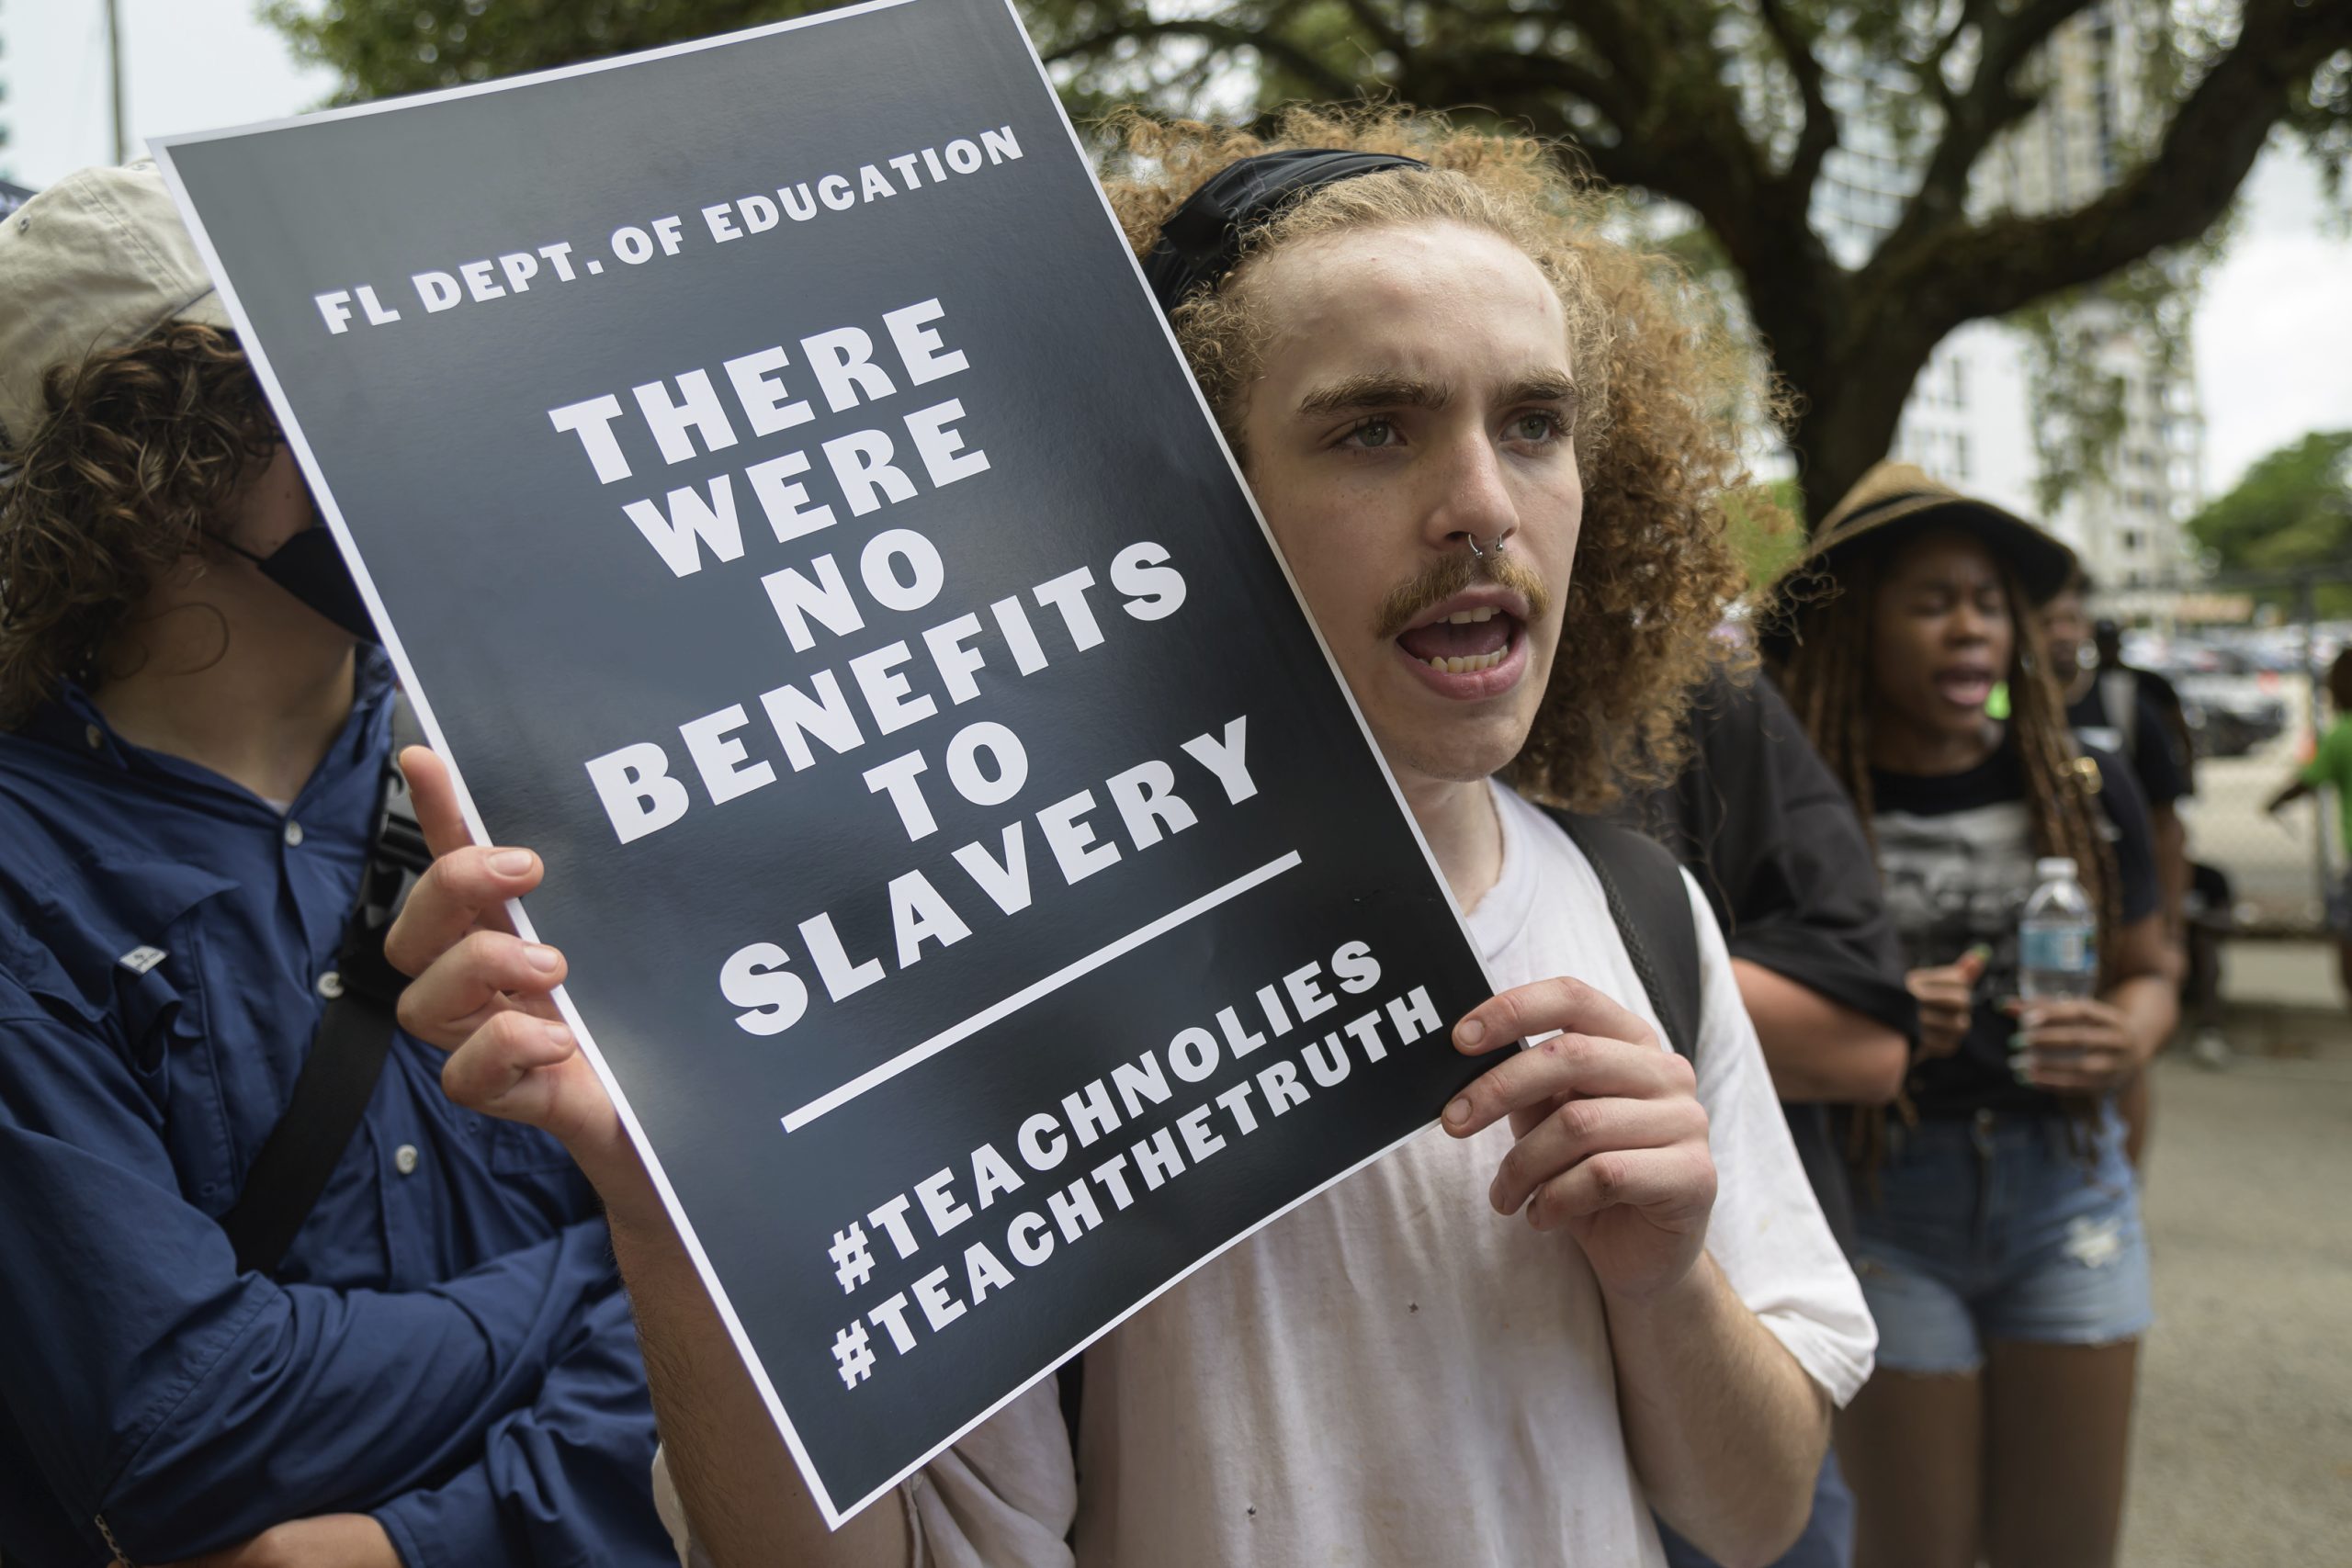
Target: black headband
(1202, 239)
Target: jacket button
(330, 985)
(90, 733)
(293, 833)
(404, 1159)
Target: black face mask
(310, 568)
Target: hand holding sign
(1612, 1140)
(988, 904)
(483, 993)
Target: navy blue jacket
(446, 1345)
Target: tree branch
(1392, 38)
(1267, 41)
(1611, 27)
(1508, 81)
(1992, 268)
(1971, 14)
(1981, 111)
(1820, 132)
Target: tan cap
(98, 260)
(1892, 501)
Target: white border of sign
(162, 147)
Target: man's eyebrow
(1375, 389)
(1543, 386)
(1386, 389)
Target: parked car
(2229, 716)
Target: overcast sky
(2274, 337)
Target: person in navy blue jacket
(194, 724)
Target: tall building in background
(12, 195)
(1966, 420)
(7, 164)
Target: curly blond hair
(1661, 385)
(140, 448)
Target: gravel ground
(2243, 1445)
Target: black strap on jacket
(1644, 885)
(346, 1057)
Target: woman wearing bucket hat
(2000, 1245)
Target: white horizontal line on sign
(915, 1055)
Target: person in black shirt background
(1775, 846)
(2209, 903)
(2107, 655)
(1999, 1237)
(2112, 709)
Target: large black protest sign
(793, 520)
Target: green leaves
(2293, 509)
(383, 47)
(1739, 112)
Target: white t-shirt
(1394, 1375)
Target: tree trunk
(1846, 423)
(1849, 351)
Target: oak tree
(1734, 109)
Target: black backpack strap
(1643, 883)
(346, 1057)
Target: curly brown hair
(1661, 383)
(140, 448)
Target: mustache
(1451, 573)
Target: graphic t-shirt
(1955, 852)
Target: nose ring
(1500, 540)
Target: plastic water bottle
(2058, 938)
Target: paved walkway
(2243, 1447)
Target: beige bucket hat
(1895, 500)
(98, 260)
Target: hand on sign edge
(1611, 1141)
(484, 995)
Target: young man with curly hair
(195, 729)
(1449, 394)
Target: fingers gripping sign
(485, 995)
(1611, 1140)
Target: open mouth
(1470, 646)
(1967, 687)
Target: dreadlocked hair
(137, 448)
(1827, 679)
(1826, 676)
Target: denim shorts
(2001, 1227)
